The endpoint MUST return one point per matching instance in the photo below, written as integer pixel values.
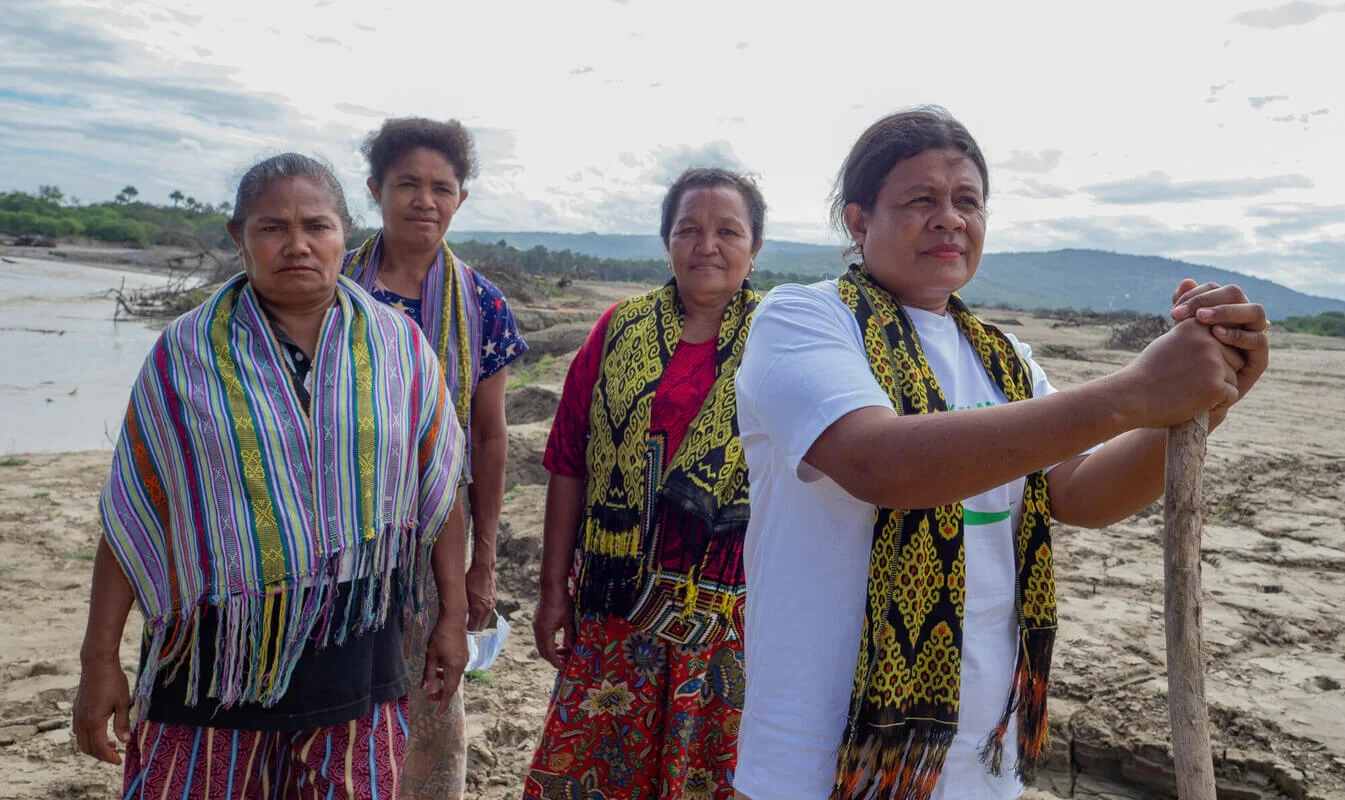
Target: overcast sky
(1208, 131)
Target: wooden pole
(1183, 511)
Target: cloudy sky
(1208, 131)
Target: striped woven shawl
(450, 314)
(224, 492)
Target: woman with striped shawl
(284, 484)
(418, 173)
(907, 460)
(642, 571)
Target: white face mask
(484, 646)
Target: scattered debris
(1136, 335)
(179, 296)
(33, 240)
(1065, 351)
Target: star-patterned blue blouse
(500, 340)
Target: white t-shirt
(807, 551)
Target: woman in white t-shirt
(901, 600)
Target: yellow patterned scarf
(450, 316)
(904, 708)
(707, 476)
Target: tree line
(189, 223)
(1327, 323)
(540, 261)
(125, 220)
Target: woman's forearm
(1113, 482)
(448, 560)
(564, 511)
(927, 460)
(110, 603)
(490, 451)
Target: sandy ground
(1275, 549)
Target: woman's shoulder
(806, 305)
(599, 332)
(637, 306)
(822, 295)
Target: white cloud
(1020, 161)
(1260, 102)
(1287, 15)
(184, 94)
(1156, 187)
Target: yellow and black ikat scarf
(904, 707)
(707, 476)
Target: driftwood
(176, 297)
(188, 282)
(1183, 508)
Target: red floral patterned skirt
(635, 716)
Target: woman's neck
(301, 322)
(406, 264)
(935, 302)
(701, 322)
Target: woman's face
(293, 243)
(419, 195)
(710, 244)
(922, 239)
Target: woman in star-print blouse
(418, 171)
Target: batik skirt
(636, 716)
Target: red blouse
(686, 383)
(683, 540)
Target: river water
(66, 367)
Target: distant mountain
(776, 255)
(1080, 279)
(1100, 281)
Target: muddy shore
(1274, 573)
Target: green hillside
(776, 255)
(1092, 279)
(1080, 279)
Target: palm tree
(177, 197)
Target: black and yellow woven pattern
(904, 707)
(707, 476)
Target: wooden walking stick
(1183, 511)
